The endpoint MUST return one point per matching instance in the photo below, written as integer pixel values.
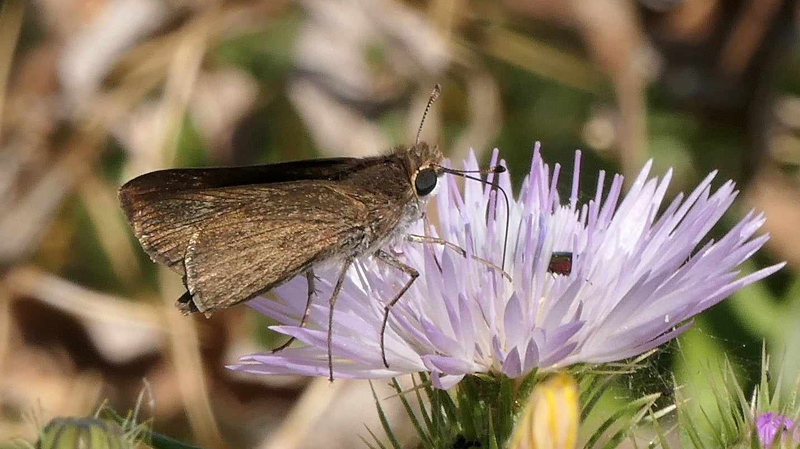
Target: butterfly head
(423, 163)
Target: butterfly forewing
(159, 182)
(163, 213)
(232, 240)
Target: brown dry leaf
(102, 205)
(42, 381)
(122, 330)
(92, 50)
(10, 25)
(24, 224)
(777, 196)
(220, 100)
(187, 361)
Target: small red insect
(560, 263)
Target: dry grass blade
(103, 209)
(190, 373)
(752, 26)
(5, 325)
(541, 59)
(76, 300)
(181, 77)
(313, 404)
(776, 195)
(10, 25)
(37, 207)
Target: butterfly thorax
(389, 196)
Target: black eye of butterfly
(425, 181)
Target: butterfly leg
(409, 270)
(311, 293)
(185, 304)
(438, 241)
(334, 296)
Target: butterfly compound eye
(425, 181)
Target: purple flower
(769, 424)
(637, 279)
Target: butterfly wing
(158, 204)
(233, 243)
(233, 233)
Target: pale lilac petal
(448, 365)
(275, 310)
(531, 356)
(514, 321)
(560, 335)
(554, 357)
(512, 365)
(445, 382)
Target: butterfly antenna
(497, 169)
(437, 89)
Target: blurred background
(95, 92)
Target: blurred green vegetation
(692, 135)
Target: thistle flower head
(82, 433)
(638, 275)
(770, 425)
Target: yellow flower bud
(81, 433)
(550, 418)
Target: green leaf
(598, 387)
(764, 396)
(159, 441)
(627, 428)
(755, 443)
(384, 422)
(425, 416)
(744, 407)
(505, 410)
(493, 443)
(526, 386)
(722, 402)
(414, 421)
(367, 443)
(690, 430)
(155, 439)
(662, 438)
(374, 437)
(436, 411)
(469, 409)
(634, 407)
(449, 407)
(715, 432)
